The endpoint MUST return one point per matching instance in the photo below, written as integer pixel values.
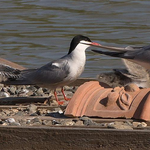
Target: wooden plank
(72, 138)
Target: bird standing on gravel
(55, 74)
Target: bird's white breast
(76, 64)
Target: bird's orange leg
(59, 102)
(67, 99)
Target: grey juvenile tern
(57, 73)
(136, 54)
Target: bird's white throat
(77, 60)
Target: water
(35, 32)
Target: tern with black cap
(57, 73)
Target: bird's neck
(78, 56)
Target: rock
(67, 122)
(32, 109)
(46, 91)
(139, 124)
(119, 125)
(5, 124)
(20, 113)
(12, 90)
(87, 121)
(47, 122)
(4, 89)
(30, 93)
(54, 122)
(79, 123)
(136, 124)
(42, 111)
(40, 92)
(6, 112)
(4, 94)
(33, 121)
(10, 120)
(59, 110)
(36, 124)
(23, 92)
(143, 125)
(22, 121)
(14, 124)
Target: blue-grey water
(35, 32)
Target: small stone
(12, 90)
(54, 122)
(19, 113)
(5, 89)
(79, 123)
(36, 123)
(40, 92)
(5, 124)
(67, 123)
(15, 111)
(32, 108)
(4, 94)
(119, 125)
(36, 120)
(30, 93)
(22, 121)
(47, 122)
(136, 124)
(7, 112)
(10, 120)
(28, 121)
(140, 124)
(87, 121)
(143, 125)
(14, 124)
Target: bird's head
(81, 42)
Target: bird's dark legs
(59, 102)
(67, 99)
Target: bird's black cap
(76, 40)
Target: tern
(136, 54)
(57, 73)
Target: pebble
(12, 90)
(47, 122)
(87, 121)
(139, 124)
(10, 120)
(119, 125)
(32, 108)
(4, 94)
(67, 122)
(35, 120)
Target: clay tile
(93, 100)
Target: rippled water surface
(35, 32)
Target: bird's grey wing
(50, 73)
(8, 73)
